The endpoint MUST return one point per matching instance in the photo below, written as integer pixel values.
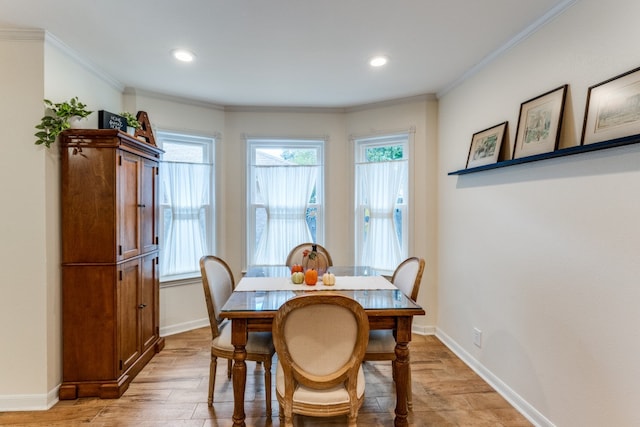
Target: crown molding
(55, 42)
(21, 34)
(392, 102)
(35, 34)
(519, 38)
(328, 110)
(25, 34)
(172, 98)
(281, 109)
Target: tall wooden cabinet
(110, 283)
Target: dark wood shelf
(619, 142)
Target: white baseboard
(42, 402)
(29, 402)
(195, 324)
(183, 327)
(423, 330)
(521, 405)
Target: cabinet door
(128, 319)
(149, 296)
(88, 205)
(148, 211)
(129, 208)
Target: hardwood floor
(172, 391)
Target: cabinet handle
(142, 206)
(142, 305)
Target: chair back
(218, 284)
(321, 340)
(408, 276)
(295, 256)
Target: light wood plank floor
(172, 391)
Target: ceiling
(294, 53)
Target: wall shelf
(619, 142)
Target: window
(381, 199)
(284, 197)
(187, 230)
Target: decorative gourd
(311, 277)
(297, 278)
(314, 259)
(328, 279)
(295, 268)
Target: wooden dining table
(254, 310)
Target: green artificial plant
(131, 120)
(53, 124)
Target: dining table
(263, 289)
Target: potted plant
(132, 123)
(63, 114)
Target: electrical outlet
(477, 337)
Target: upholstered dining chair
(382, 344)
(218, 284)
(295, 255)
(320, 340)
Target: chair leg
(267, 385)
(288, 420)
(229, 368)
(409, 391)
(212, 378)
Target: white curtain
(285, 192)
(185, 193)
(379, 185)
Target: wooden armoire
(110, 282)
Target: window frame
(360, 145)
(254, 143)
(209, 145)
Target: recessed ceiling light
(183, 55)
(378, 61)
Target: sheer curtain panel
(285, 192)
(380, 184)
(185, 194)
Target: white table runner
(285, 284)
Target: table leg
(401, 368)
(239, 340)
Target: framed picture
(539, 123)
(613, 109)
(485, 146)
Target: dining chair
(320, 340)
(295, 255)
(382, 344)
(218, 284)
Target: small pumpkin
(328, 279)
(295, 268)
(311, 277)
(297, 278)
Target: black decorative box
(107, 120)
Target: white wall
(30, 306)
(420, 115)
(286, 124)
(182, 307)
(543, 257)
(23, 228)
(64, 78)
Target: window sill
(179, 281)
